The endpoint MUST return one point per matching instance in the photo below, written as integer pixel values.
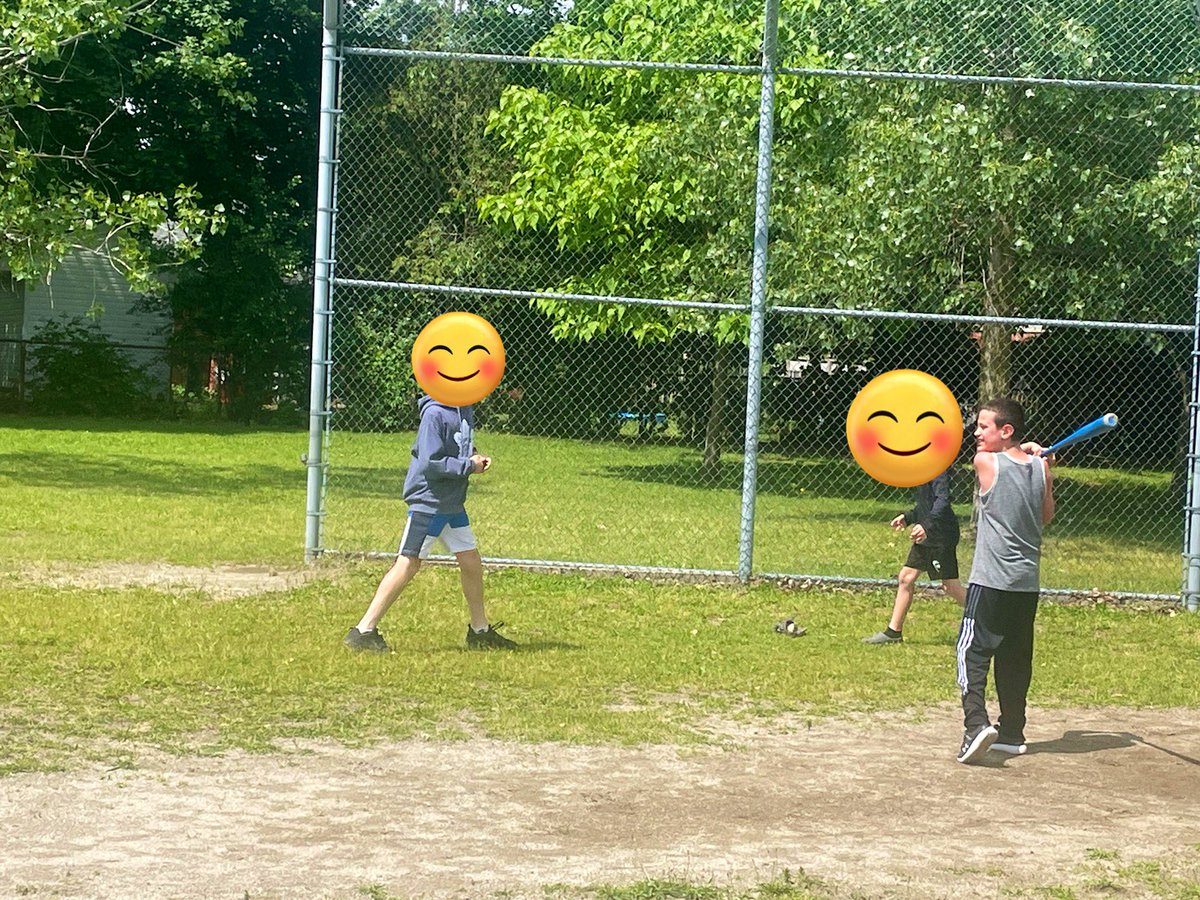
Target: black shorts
(941, 562)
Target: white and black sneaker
(976, 743)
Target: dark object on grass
(790, 628)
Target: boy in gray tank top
(1016, 498)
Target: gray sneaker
(370, 642)
(882, 637)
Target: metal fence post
(1191, 525)
(318, 396)
(758, 285)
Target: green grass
(636, 504)
(187, 493)
(102, 674)
(88, 490)
(790, 885)
(1175, 876)
(1104, 874)
(87, 672)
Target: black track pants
(996, 624)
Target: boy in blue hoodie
(435, 489)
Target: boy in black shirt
(935, 544)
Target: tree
(219, 95)
(645, 177)
(55, 193)
(413, 160)
(242, 129)
(1004, 199)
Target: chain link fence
(1004, 196)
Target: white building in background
(83, 286)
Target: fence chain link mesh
(1002, 195)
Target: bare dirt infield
(871, 805)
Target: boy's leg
(481, 635)
(906, 582)
(955, 589)
(977, 643)
(470, 572)
(943, 565)
(1014, 665)
(395, 581)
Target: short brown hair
(1007, 412)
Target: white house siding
(85, 281)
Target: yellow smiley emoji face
(904, 428)
(458, 359)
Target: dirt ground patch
(874, 805)
(222, 582)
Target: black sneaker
(371, 642)
(975, 743)
(490, 639)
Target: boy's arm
(941, 499)
(1048, 504)
(1035, 449)
(433, 459)
(909, 515)
(985, 470)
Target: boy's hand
(1033, 448)
(918, 534)
(899, 521)
(480, 462)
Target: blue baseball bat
(1106, 422)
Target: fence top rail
(830, 312)
(1156, 327)
(414, 288)
(804, 71)
(41, 343)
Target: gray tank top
(1008, 538)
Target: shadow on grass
(1137, 514)
(136, 474)
(837, 479)
(532, 646)
(219, 427)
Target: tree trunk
(715, 424)
(995, 342)
(999, 282)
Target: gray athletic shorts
(422, 530)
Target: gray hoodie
(441, 458)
